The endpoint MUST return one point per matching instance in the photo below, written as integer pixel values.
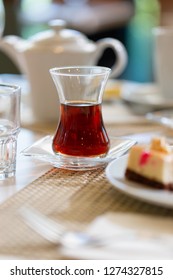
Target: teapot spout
(12, 46)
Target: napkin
(130, 236)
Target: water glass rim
(79, 71)
(11, 87)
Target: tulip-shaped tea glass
(81, 131)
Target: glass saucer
(42, 150)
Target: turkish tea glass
(81, 131)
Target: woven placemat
(74, 197)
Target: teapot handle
(120, 52)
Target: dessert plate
(144, 98)
(115, 174)
(42, 150)
(163, 117)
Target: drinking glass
(9, 128)
(163, 60)
(81, 131)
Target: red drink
(81, 131)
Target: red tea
(81, 131)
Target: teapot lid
(58, 35)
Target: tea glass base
(80, 163)
(42, 150)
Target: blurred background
(130, 21)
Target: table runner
(74, 197)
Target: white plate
(163, 117)
(115, 173)
(145, 98)
(42, 150)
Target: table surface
(28, 169)
(65, 191)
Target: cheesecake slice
(151, 165)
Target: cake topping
(159, 144)
(144, 158)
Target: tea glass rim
(103, 71)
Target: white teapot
(56, 47)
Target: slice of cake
(151, 165)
